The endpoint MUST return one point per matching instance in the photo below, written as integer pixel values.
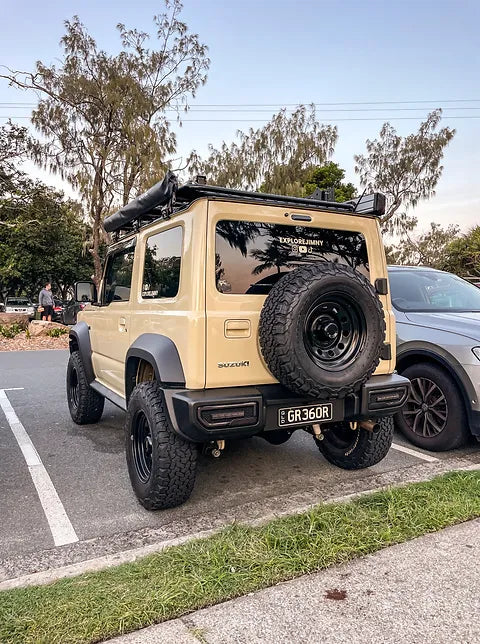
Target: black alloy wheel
(426, 410)
(434, 415)
(334, 331)
(141, 438)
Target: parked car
(438, 349)
(71, 309)
(58, 308)
(19, 305)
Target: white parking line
(60, 526)
(413, 452)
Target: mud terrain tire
(84, 403)
(355, 449)
(161, 464)
(322, 329)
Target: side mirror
(85, 292)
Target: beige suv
(225, 314)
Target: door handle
(122, 324)
(237, 328)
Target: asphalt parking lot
(85, 491)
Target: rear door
(250, 247)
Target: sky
(398, 58)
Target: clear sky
(286, 52)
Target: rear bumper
(254, 410)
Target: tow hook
(370, 426)
(216, 448)
(317, 432)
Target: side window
(118, 276)
(161, 274)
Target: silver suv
(438, 349)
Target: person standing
(45, 300)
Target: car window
(118, 276)
(420, 290)
(250, 257)
(17, 301)
(161, 273)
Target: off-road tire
(454, 430)
(283, 322)
(355, 449)
(84, 403)
(173, 460)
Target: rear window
(251, 257)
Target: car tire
(84, 403)
(355, 449)
(161, 464)
(444, 425)
(322, 330)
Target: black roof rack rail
(166, 197)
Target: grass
(237, 560)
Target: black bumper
(255, 409)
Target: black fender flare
(79, 340)
(161, 352)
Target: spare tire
(322, 329)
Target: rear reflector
(229, 415)
(384, 398)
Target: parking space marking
(60, 526)
(413, 452)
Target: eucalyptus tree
(102, 117)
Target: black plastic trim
(381, 285)
(386, 352)
(79, 337)
(161, 353)
(110, 395)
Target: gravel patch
(21, 343)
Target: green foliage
(57, 332)
(10, 330)
(273, 158)
(42, 237)
(406, 169)
(462, 255)
(327, 176)
(102, 116)
(427, 249)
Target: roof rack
(166, 197)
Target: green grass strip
(235, 561)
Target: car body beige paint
(216, 334)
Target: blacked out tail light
(384, 398)
(228, 415)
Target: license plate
(305, 415)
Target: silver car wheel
(426, 410)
